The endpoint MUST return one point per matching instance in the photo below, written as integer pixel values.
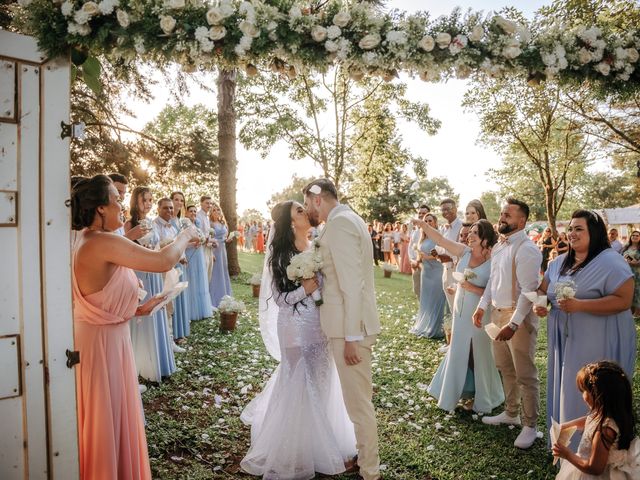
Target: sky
(453, 152)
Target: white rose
(123, 18)
(477, 33)
(319, 33)
(443, 39)
(245, 42)
(227, 9)
(548, 59)
(603, 67)
(331, 46)
(559, 50)
(511, 52)
(214, 16)
(107, 6)
(507, 26)
(333, 32)
(217, 32)
(632, 55)
(562, 63)
(427, 43)
(167, 23)
(90, 8)
(81, 17)
(295, 12)
(584, 56)
(206, 45)
(24, 3)
(201, 33)
(249, 29)
(342, 18)
(369, 41)
(176, 4)
(66, 8)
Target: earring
(293, 228)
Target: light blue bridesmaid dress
(576, 339)
(454, 378)
(220, 284)
(432, 298)
(149, 335)
(198, 290)
(181, 316)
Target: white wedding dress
(299, 424)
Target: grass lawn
(194, 430)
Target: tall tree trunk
(227, 162)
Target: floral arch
(290, 38)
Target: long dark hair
(87, 195)
(610, 390)
(134, 211)
(628, 245)
(598, 241)
(282, 247)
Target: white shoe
(502, 418)
(177, 349)
(443, 349)
(142, 388)
(526, 438)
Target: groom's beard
(314, 221)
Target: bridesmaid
(198, 290)
(468, 370)
(111, 437)
(405, 262)
(152, 344)
(432, 299)
(220, 284)
(181, 315)
(260, 239)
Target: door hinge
(72, 358)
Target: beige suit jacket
(349, 308)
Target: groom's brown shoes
(353, 468)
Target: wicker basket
(228, 321)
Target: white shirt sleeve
(528, 261)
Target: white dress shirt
(451, 232)
(414, 242)
(617, 245)
(205, 224)
(165, 230)
(528, 261)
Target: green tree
(251, 215)
(541, 141)
(322, 116)
(293, 191)
(491, 206)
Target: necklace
(95, 229)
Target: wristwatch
(513, 326)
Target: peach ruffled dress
(112, 441)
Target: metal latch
(72, 358)
(73, 130)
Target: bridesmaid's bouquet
(565, 290)
(306, 265)
(464, 276)
(147, 239)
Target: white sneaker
(177, 349)
(443, 349)
(502, 418)
(526, 438)
(142, 388)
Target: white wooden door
(37, 389)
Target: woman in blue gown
(149, 335)
(596, 324)
(468, 370)
(432, 299)
(198, 290)
(220, 284)
(181, 318)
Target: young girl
(608, 449)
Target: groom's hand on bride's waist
(351, 356)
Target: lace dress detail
(621, 465)
(299, 424)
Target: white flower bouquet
(228, 304)
(389, 267)
(185, 223)
(306, 265)
(147, 239)
(234, 234)
(565, 290)
(464, 276)
(256, 279)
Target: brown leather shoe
(353, 466)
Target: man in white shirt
(450, 231)
(613, 240)
(167, 233)
(414, 246)
(205, 225)
(515, 268)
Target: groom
(348, 315)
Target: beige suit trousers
(357, 390)
(515, 360)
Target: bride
(299, 424)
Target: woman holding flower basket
(299, 423)
(468, 370)
(590, 290)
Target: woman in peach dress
(112, 442)
(260, 239)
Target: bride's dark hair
(282, 247)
